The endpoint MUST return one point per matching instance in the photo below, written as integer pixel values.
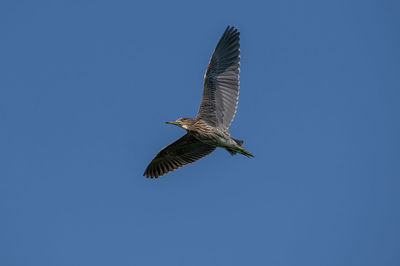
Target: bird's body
(202, 131)
(210, 128)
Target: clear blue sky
(85, 89)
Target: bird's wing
(185, 150)
(221, 82)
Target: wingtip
(231, 29)
(151, 175)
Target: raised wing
(221, 82)
(185, 150)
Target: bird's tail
(239, 149)
(244, 152)
(238, 142)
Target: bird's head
(182, 122)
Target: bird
(210, 128)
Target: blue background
(86, 87)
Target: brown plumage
(209, 129)
(185, 150)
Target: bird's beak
(172, 123)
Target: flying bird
(209, 129)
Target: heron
(210, 128)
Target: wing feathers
(185, 150)
(221, 82)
